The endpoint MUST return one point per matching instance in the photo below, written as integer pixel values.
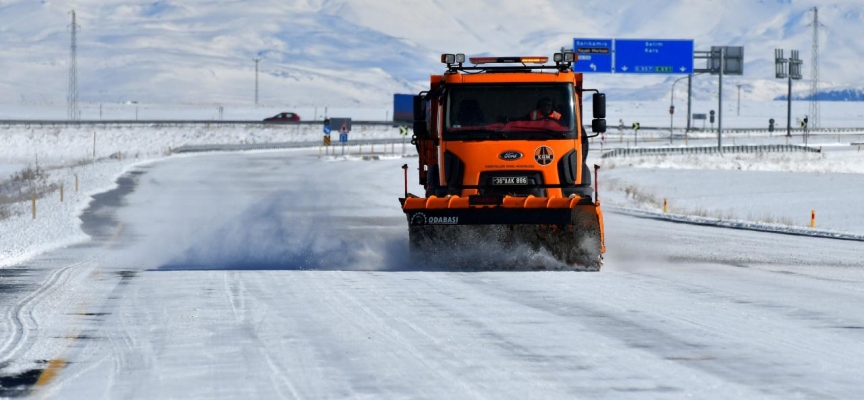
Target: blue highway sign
(594, 55)
(343, 137)
(645, 56)
(326, 129)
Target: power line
(72, 112)
(814, 72)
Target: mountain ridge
(351, 52)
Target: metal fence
(611, 129)
(768, 148)
(159, 123)
(284, 145)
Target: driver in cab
(544, 111)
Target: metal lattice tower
(814, 72)
(256, 80)
(72, 112)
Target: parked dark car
(283, 117)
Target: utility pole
(689, 93)
(256, 81)
(739, 99)
(720, 100)
(813, 121)
(72, 112)
(672, 106)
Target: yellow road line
(54, 366)
(50, 372)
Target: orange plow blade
(569, 229)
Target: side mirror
(598, 125)
(420, 127)
(419, 108)
(599, 105)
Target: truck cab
(517, 130)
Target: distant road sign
(699, 116)
(341, 124)
(594, 55)
(403, 108)
(327, 130)
(734, 60)
(343, 138)
(646, 56)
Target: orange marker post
(812, 218)
(664, 205)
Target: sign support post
(720, 102)
(789, 109)
(722, 60)
(689, 91)
(787, 68)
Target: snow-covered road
(282, 275)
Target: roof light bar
(507, 60)
(535, 60)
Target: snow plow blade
(570, 229)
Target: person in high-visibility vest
(544, 111)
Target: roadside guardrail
(282, 145)
(611, 130)
(653, 151)
(179, 122)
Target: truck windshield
(517, 111)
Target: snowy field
(737, 187)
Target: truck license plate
(510, 180)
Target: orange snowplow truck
(502, 158)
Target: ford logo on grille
(510, 155)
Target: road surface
(283, 275)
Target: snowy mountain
(831, 95)
(359, 52)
